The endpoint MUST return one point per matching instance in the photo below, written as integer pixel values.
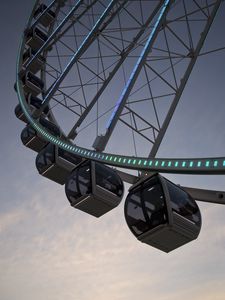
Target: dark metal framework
(96, 44)
(117, 65)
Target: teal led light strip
(163, 165)
(138, 64)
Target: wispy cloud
(10, 219)
(52, 251)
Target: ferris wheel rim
(209, 165)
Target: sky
(50, 251)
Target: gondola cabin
(37, 64)
(94, 188)
(33, 140)
(44, 15)
(34, 104)
(20, 114)
(32, 84)
(161, 214)
(55, 163)
(35, 38)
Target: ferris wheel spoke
(142, 54)
(86, 43)
(74, 20)
(72, 134)
(174, 89)
(185, 78)
(36, 22)
(54, 33)
(94, 50)
(101, 141)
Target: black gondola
(34, 104)
(20, 114)
(44, 19)
(33, 140)
(35, 38)
(94, 188)
(36, 64)
(161, 214)
(32, 84)
(55, 163)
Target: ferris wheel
(98, 82)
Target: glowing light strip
(164, 165)
(78, 53)
(164, 6)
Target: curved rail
(211, 165)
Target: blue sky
(50, 251)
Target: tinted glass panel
(145, 207)
(41, 34)
(154, 202)
(27, 55)
(183, 204)
(18, 110)
(134, 214)
(84, 179)
(78, 183)
(71, 189)
(35, 101)
(41, 9)
(108, 179)
(27, 134)
(45, 158)
(35, 80)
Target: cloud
(10, 219)
(52, 251)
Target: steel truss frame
(157, 27)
